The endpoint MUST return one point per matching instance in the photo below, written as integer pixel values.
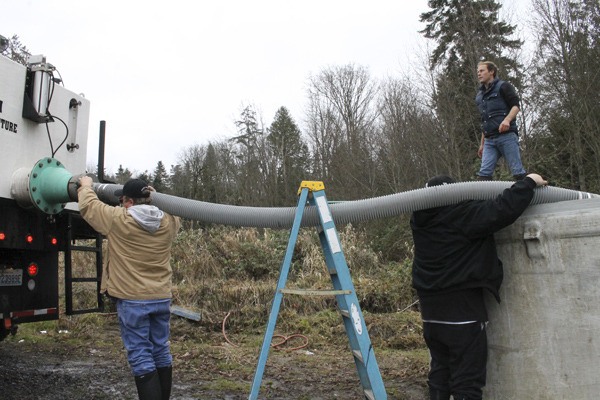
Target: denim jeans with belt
(145, 332)
(503, 145)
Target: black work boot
(148, 386)
(519, 177)
(435, 394)
(165, 375)
(484, 178)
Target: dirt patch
(92, 365)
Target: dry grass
(222, 271)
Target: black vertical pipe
(101, 152)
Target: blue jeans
(145, 332)
(504, 145)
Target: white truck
(43, 136)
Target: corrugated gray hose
(343, 212)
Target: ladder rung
(85, 279)
(369, 394)
(86, 311)
(358, 355)
(312, 292)
(85, 248)
(345, 313)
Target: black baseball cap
(134, 189)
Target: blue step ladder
(313, 192)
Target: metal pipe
(101, 144)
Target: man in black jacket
(455, 260)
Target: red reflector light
(2, 236)
(29, 238)
(32, 270)
(54, 241)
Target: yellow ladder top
(313, 186)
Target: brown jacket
(138, 266)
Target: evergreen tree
(290, 158)
(251, 157)
(210, 175)
(16, 51)
(469, 31)
(122, 175)
(161, 178)
(145, 176)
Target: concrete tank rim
(563, 207)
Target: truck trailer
(43, 138)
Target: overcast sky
(166, 75)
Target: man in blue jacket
(455, 260)
(498, 105)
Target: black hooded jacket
(455, 248)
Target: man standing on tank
(498, 105)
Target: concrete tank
(544, 337)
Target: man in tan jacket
(138, 277)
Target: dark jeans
(458, 358)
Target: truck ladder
(77, 229)
(356, 329)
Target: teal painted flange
(48, 185)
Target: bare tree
(409, 153)
(567, 90)
(343, 101)
(188, 183)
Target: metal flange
(48, 185)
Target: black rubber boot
(435, 394)
(484, 178)
(148, 386)
(519, 177)
(165, 375)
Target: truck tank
(544, 336)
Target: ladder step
(84, 279)
(311, 292)
(358, 355)
(369, 394)
(86, 311)
(86, 248)
(345, 313)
